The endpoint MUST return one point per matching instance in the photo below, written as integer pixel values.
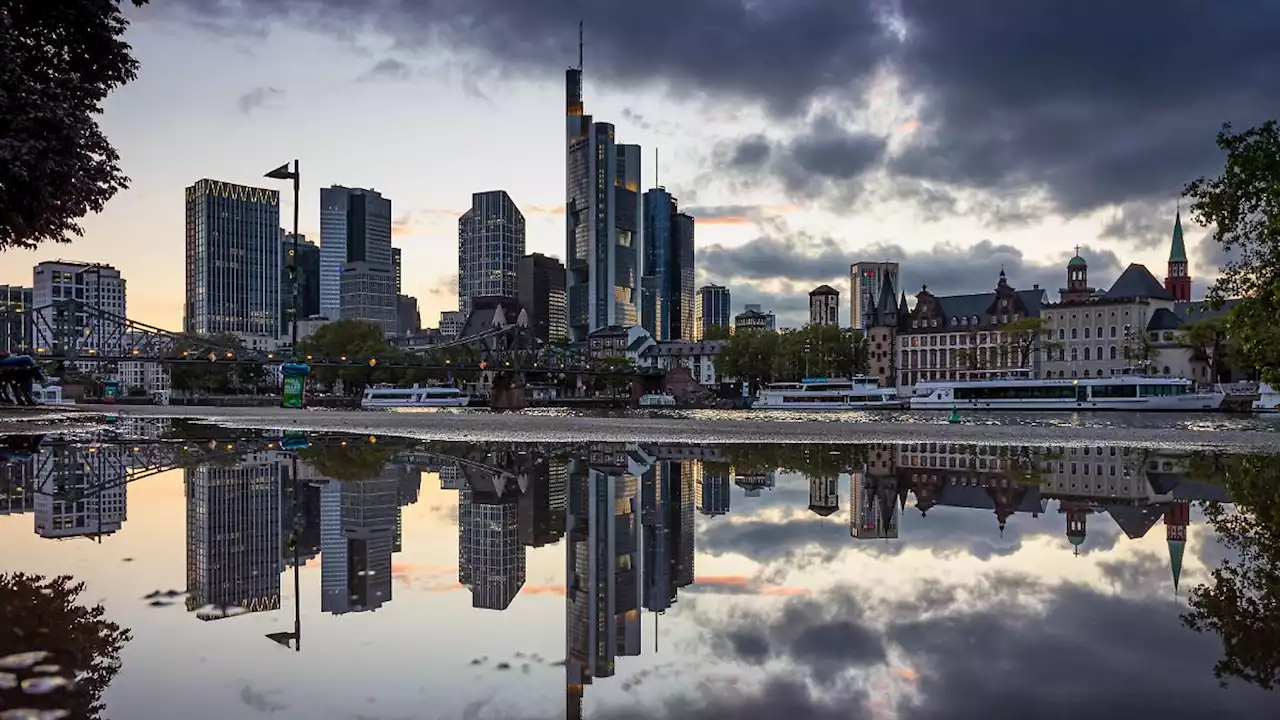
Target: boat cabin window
(1016, 392)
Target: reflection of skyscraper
(300, 512)
(357, 536)
(542, 506)
(234, 550)
(491, 560)
(668, 508)
(604, 567)
(713, 489)
(80, 491)
(824, 497)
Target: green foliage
(351, 462)
(811, 460)
(1243, 205)
(41, 614)
(1241, 602)
(221, 376)
(1208, 337)
(1024, 336)
(58, 62)
(716, 332)
(357, 342)
(764, 356)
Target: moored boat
(855, 393)
(1268, 399)
(386, 396)
(1129, 391)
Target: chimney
(1036, 286)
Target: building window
(1086, 353)
(1113, 329)
(1086, 333)
(1074, 333)
(1062, 333)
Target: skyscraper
(541, 294)
(233, 260)
(866, 281)
(604, 218)
(396, 264)
(711, 309)
(490, 245)
(668, 257)
(357, 277)
(308, 265)
(16, 303)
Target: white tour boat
(1127, 391)
(1268, 399)
(662, 399)
(385, 396)
(856, 393)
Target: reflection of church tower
(1076, 512)
(1007, 494)
(824, 497)
(927, 489)
(1177, 515)
(873, 506)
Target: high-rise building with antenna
(604, 217)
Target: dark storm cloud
(1143, 224)
(780, 54)
(798, 258)
(387, 69)
(1004, 646)
(1097, 102)
(824, 160)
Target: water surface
(324, 575)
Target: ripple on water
(22, 660)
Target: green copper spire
(1176, 548)
(1178, 253)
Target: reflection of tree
(1242, 601)
(353, 461)
(807, 459)
(42, 615)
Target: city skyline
(769, 243)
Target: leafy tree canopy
(58, 61)
(1243, 205)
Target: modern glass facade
(541, 294)
(668, 259)
(15, 318)
(490, 245)
(233, 259)
(604, 222)
(711, 309)
(355, 227)
(308, 265)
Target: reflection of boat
(49, 395)
(661, 399)
(856, 393)
(1268, 399)
(1119, 392)
(384, 396)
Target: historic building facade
(960, 337)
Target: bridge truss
(72, 330)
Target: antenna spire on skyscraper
(580, 46)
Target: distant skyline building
(232, 260)
(711, 309)
(753, 318)
(451, 323)
(824, 306)
(669, 260)
(357, 275)
(604, 217)
(94, 284)
(308, 264)
(408, 320)
(866, 282)
(490, 244)
(540, 290)
(16, 303)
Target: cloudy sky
(803, 134)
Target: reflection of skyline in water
(623, 512)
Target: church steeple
(1178, 281)
(1077, 291)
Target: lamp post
(284, 173)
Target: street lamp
(284, 173)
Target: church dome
(1077, 261)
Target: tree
(356, 342)
(1241, 603)
(221, 375)
(1138, 349)
(1026, 335)
(716, 332)
(58, 62)
(42, 615)
(1243, 206)
(1208, 338)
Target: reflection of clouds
(739, 585)
(1004, 645)
(425, 578)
